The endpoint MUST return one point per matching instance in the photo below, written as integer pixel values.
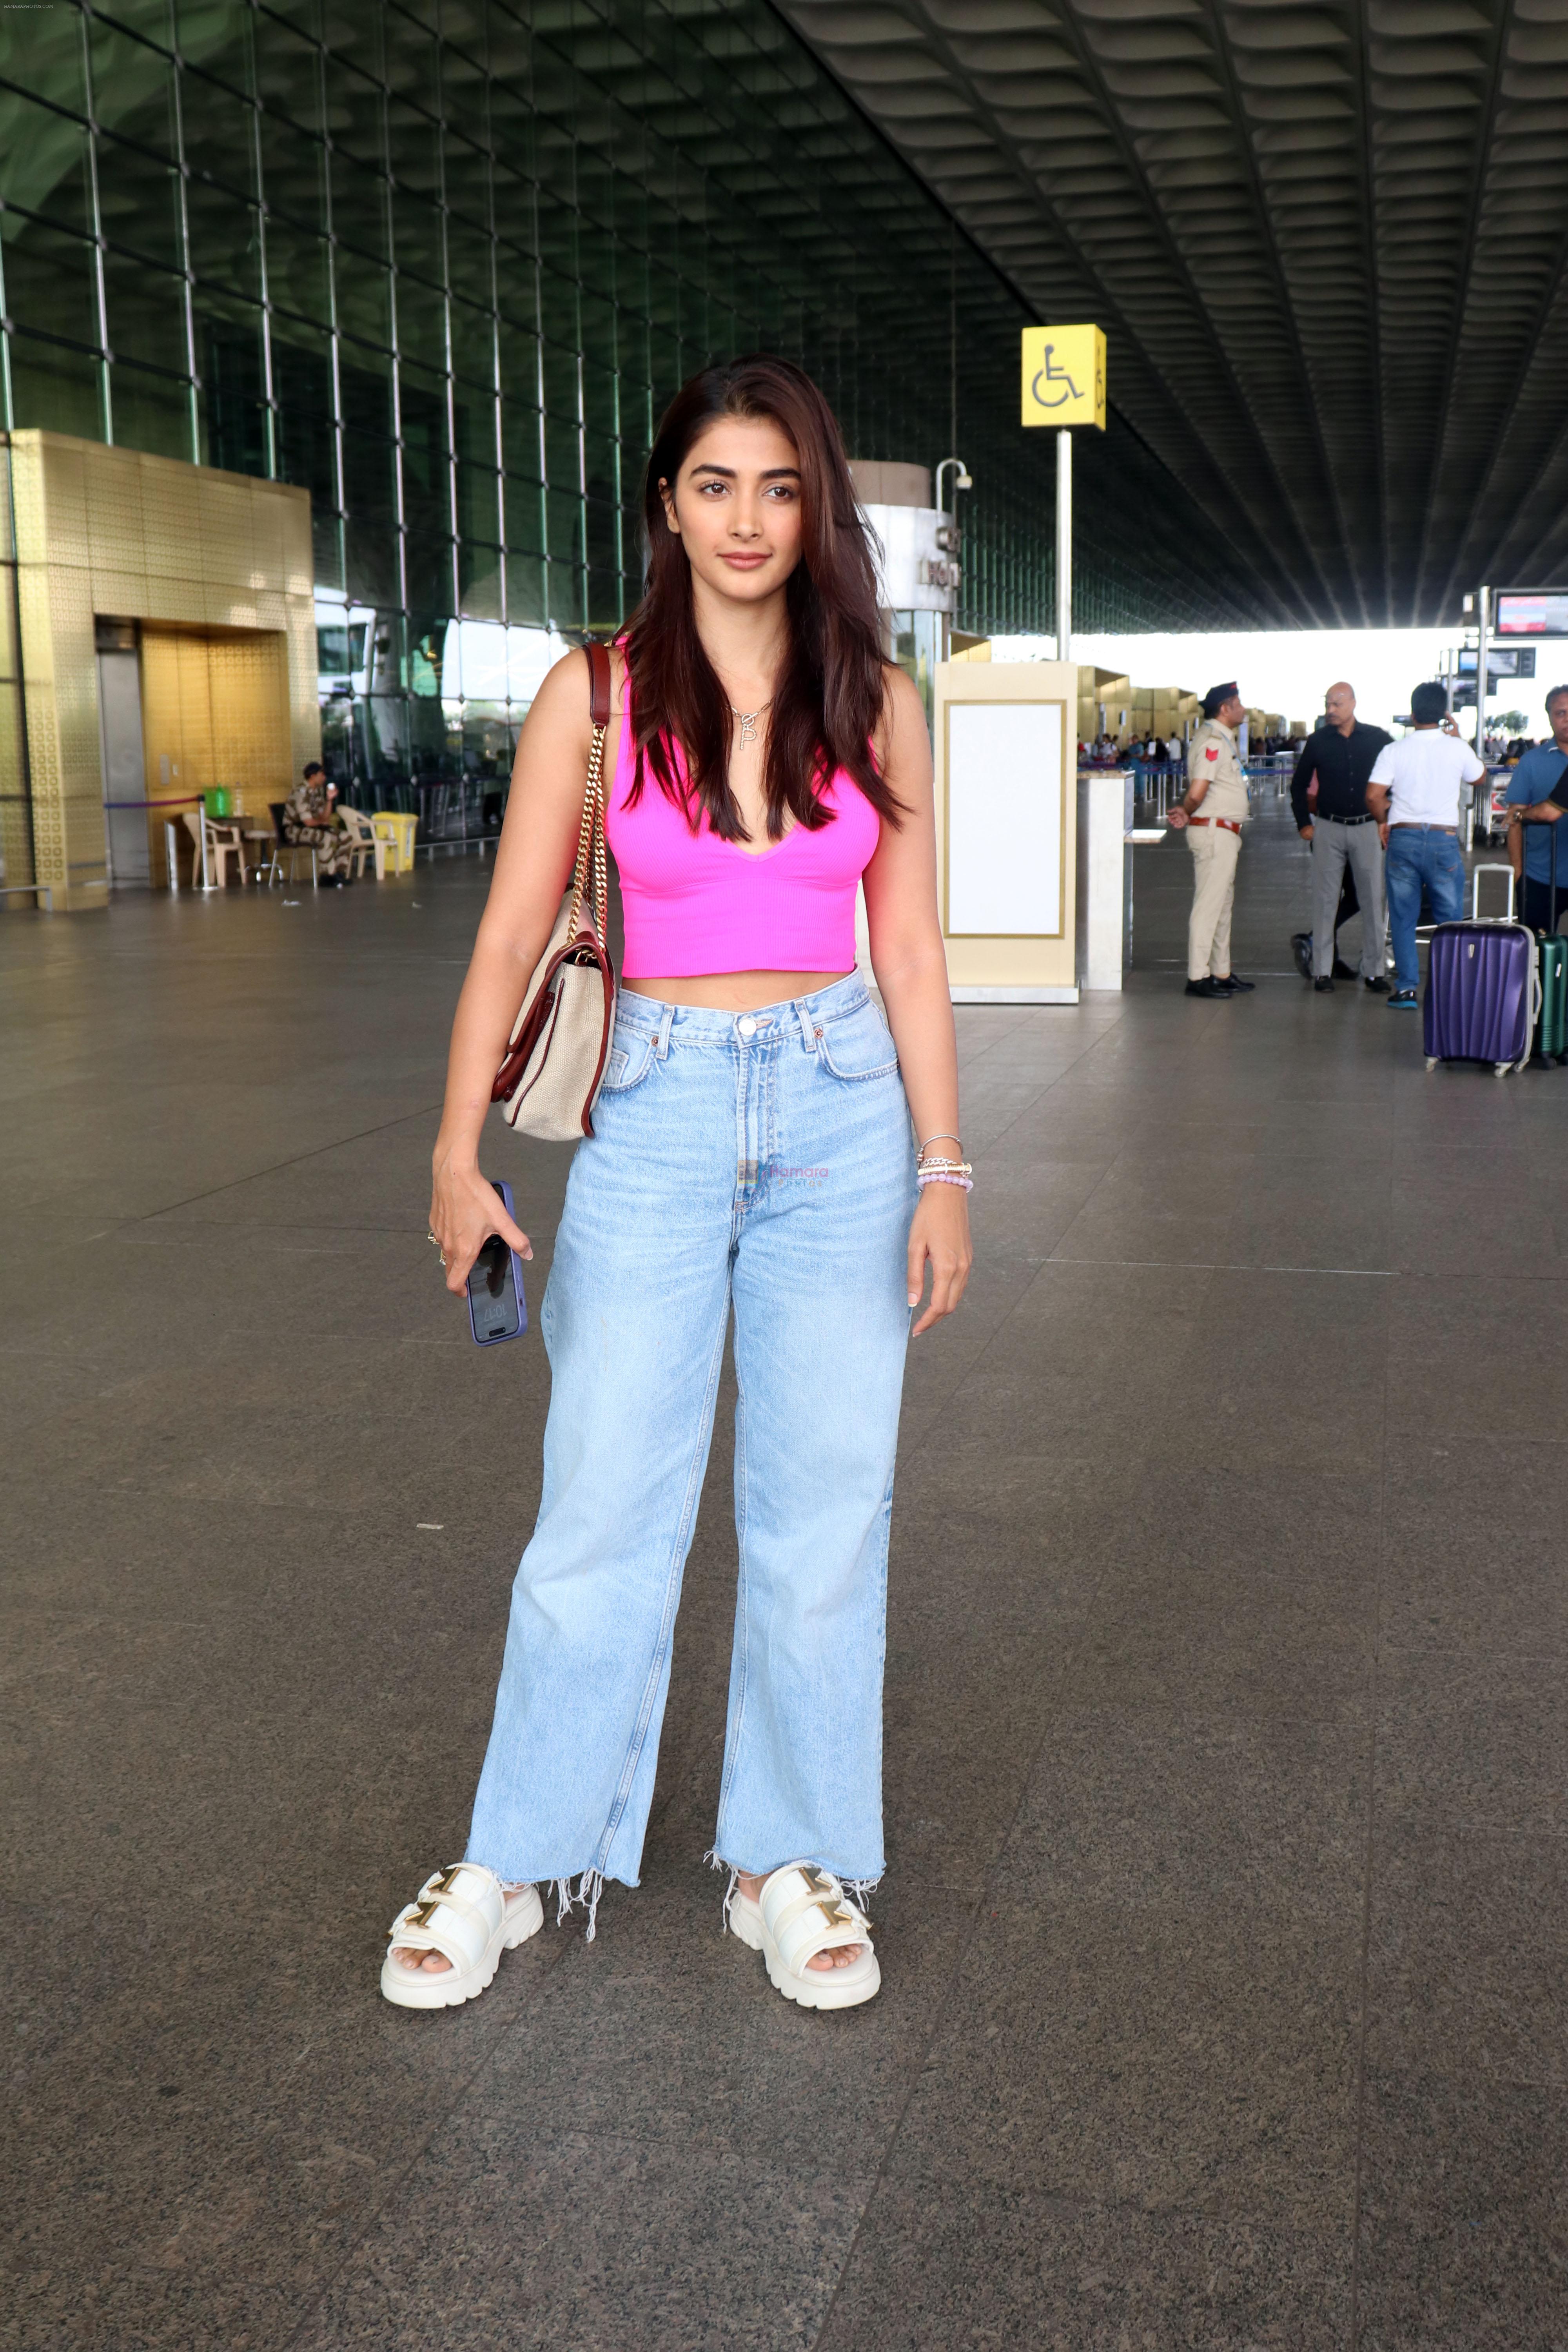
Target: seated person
(309, 819)
(1541, 775)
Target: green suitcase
(1552, 1035)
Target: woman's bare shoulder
(564, 689)
(902, 725)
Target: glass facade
(443, 263)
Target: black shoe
(1378, 985)
(1210, 987)
(1404, 1000)
(1234, 979)
(1341, 970)
(1322, 987)
(1302, 949)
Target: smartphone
(496, 1309)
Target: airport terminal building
(334, 341)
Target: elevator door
(124, 778)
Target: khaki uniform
(1213, 758)
(330, 844)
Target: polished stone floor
(1227, 1735)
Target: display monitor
(1502, 661)
(1531, 613)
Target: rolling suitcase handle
(1476, 893)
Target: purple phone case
(501, 1337)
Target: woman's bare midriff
(734, 991)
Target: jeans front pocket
(858, 1045)
(629, 1059)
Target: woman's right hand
(465, 1210)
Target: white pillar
(1063, 546)
(1483, 654)
(1104, 875)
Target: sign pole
(1063, 546)
(1483, 656)
(1063, 385)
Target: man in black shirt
(1341, 832)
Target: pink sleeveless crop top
(696, 904)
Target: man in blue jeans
(1414, 793)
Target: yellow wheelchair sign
(1063, 377)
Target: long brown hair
(828, 697)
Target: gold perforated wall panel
(217, 567)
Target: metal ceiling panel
(1328, 244)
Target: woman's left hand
(940, 1232)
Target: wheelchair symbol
(1051, 373)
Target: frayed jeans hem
(857, 1887)
(590, 1886)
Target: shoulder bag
(548, 1082)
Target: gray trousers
(1333, 843)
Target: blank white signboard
(1005, 819)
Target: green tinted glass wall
(442, 264)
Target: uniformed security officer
(1217, 785)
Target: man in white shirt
(1414, 793)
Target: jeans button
(746, 1025)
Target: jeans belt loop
(662, 1046)
(807, 1034)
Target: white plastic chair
(362, 842)
(222, 843)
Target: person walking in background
(1414, 793)
(1216, 784)
(1537, 777)
(1341, 832)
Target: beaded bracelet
(939, 1176)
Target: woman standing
(752, 1153)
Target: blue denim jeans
(762, 1164)
(1420, 854)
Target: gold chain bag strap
(561, 1039)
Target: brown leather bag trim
(599, 683)
(608, 978)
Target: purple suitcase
(1483, 985)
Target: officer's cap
(1218, 696)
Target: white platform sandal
(465, 1914)
(802, 1911)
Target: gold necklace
(749, 719)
